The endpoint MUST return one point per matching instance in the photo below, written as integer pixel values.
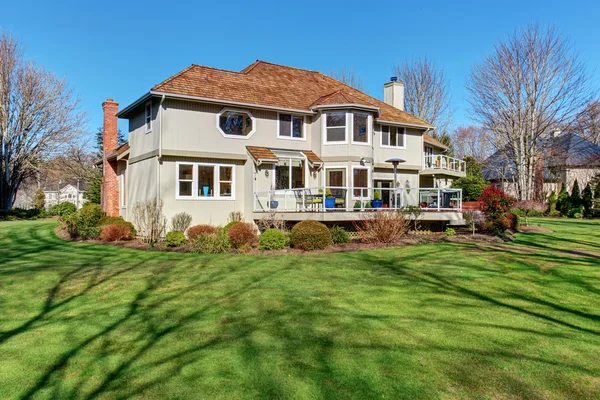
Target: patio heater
(395, 161)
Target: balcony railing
(439, 161)
(341, 198)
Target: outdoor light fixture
(395, 161)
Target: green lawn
(515, 320)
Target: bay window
(335, 127)
(205, 181)
(360, 128)
(393, 136)
(291, 126)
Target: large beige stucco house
(273, 138)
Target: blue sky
(121, 49)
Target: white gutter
(427, 127)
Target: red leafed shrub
(495, 204)
(114, 232)
(242, 234)
(197, 230)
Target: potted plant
(272, 204)
(329, 199)
(357, 206)
(376, 202)
(438, 162)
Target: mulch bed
(534, 229)
(354, 246)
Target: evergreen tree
(552, 202)
(563, 203)
(473, 167)
(597, 191)
(39, 199)
(587, 201)
(575, 195)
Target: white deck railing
(341, 198)
(438, 161)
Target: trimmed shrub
(383, 226)
(118, 220)
(575, 199)
(310, 235)
(211, 243)
(229, 225)
(85, 223)
(514, 221)
(181, 222)
(62, 209)
(196, 230)
(552, 202)
(339, 235)
(450, 232)
(472, 187)
(242, 234)
(588, 201)
(272, 239)
(175, 239)
(563, 202)
(115, 232)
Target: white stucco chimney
(393, 93)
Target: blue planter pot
(376, 203)
(330, 202)
(273, 204)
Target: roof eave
(124, 112)
(346, 106)
(426, 127)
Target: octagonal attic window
(235, 123)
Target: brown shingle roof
(339, 97)
(312, 157)
(433, 141)
(274, 85)
(262, 153)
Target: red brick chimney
(110, 183)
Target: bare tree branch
(348, 77)
(39, 117)
(427, 94)
(532, 83)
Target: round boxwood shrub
(175, 239)
(310, 235)
(272, 239)
(339, 235)
(119, 221)
(196, 230)
(242, 234)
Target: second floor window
(148, 117)
(392, 136)
(291, 126)
(335, 127)
(361, 128)
(236, 123)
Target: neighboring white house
(68, 193)
(210, 142)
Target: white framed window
(237, 124)
(393, 136)
(335, 127)
(290, 126)
(290, 172)
(361, 128)
(360, 182)
(148, 117)
(205, 181)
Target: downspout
(160, 124)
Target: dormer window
(236, 124)
(148, 117)
(291, 127)
(393, 136)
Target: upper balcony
(439, 164)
